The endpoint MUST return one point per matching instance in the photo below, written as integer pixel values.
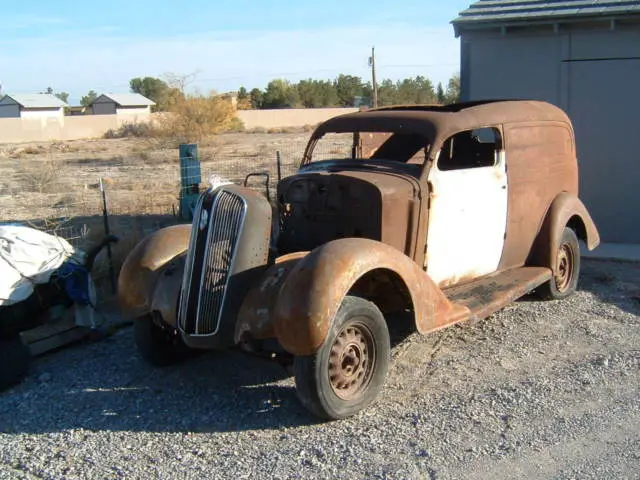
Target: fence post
(279, 165)
(190, 178)
(107, 231)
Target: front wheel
(565, 279)
(158, 345)
(349, 370)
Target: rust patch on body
(144, 264)
(313, 292)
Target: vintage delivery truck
(443, 212)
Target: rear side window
(470, 149)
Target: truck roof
(442, 120)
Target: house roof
(126, 99)
(35, 100)
(501, 11)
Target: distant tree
(88, 98)
(309, 93)
(154, 89)
(452, 94)
(343, 90)
(387, 93)
(327, 94)
(243, 101)
(255, 97)
(280, 93)
(347, 88)
(440, 98)
(64, 96)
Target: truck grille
(217, 224)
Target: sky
(76, 46)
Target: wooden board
(53, 335)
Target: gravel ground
(539, 390)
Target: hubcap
(564, 270)
(351, 361)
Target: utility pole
(372, 64)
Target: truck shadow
(107, 387)
(611, 281)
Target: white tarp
(27, 257)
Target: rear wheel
(159, 345)
(349, 370)
(15, 359)
(565, 279)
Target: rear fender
(144, 266)
(312, 292)
(565, 210)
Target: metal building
(584, 56)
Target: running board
(489, 294)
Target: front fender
(143, 266)
(314, 289)
(566, 209)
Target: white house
(128, 106)
(32, 106)
(584, 56)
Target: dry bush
(40, 177)
(34, 149)
(256, 130)
(262, 151)
(194, 118)
(127, 130)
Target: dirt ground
(60, 179)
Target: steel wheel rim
(351, 361)
(564, 267)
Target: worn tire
(15, 359)
(332, 388)
(565, 282)
(159, 346)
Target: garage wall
(106, 108)
(592, 74)
(10, 111)
(499, 66)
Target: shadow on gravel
(614, 282)
(107, 387)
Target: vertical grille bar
(189, 263)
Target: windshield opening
(376, 148)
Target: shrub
(40, 177)
(195, 117)
(130, 130)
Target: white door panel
(467, 222)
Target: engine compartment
(317, 207)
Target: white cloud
(103, 61)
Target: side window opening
(403, 147)
(470, 149)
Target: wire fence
(61, 193)
(142, 191)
